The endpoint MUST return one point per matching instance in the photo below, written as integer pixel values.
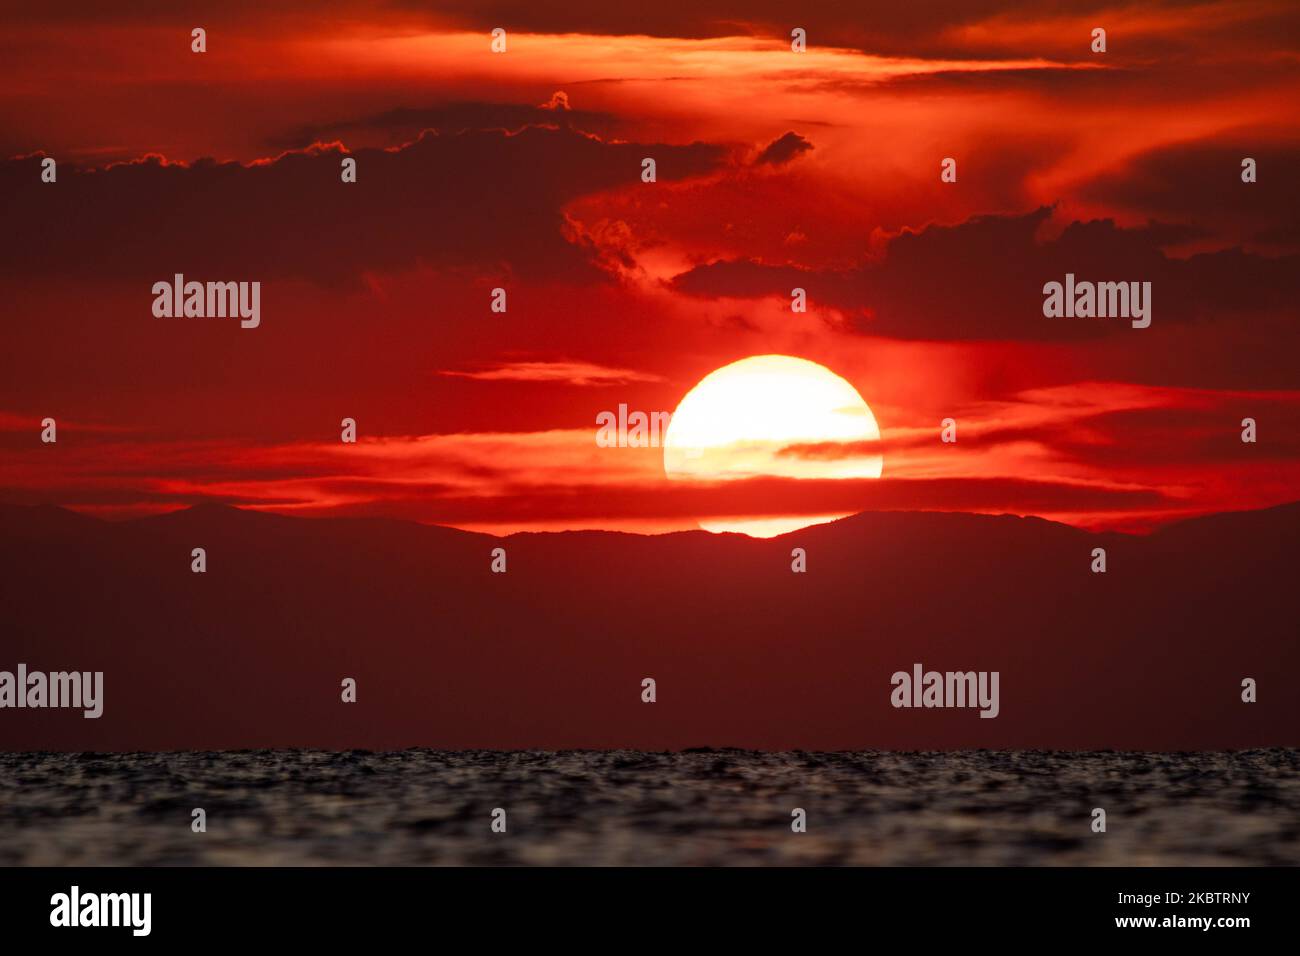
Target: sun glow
(773, 416)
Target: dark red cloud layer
(1158, 185)
(486, 200)
(984, 278)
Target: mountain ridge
(745, 651)
(8, 509)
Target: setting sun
(773, 416)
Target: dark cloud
(1187, 437)
(969, 28)
(1148, 81)
(1201, 183)
(783, 149)
(930, 28)
(438, 504)
(983, 280)
(404, 124)
(1204, 429)
(486, 199)
(755, 496)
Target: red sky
(522, 170)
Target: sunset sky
(522, 170)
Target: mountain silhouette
(552, 653)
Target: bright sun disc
(738, 420)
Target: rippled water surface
(718, 807)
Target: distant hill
(745, 653)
